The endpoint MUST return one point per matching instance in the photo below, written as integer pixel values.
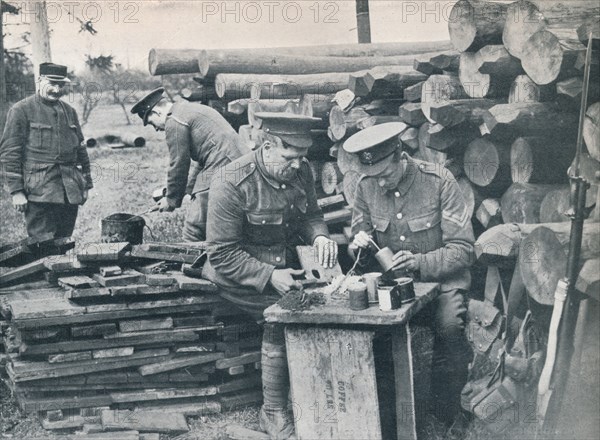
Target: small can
(359, 300)
(389, 298)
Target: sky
(129, 29)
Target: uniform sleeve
(178, 141)
(82, 155)
(361, 218)
(457, 235)
(193, 175)
(224, 234)
(314, 224)
(11, 149)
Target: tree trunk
(569, 92)
(265, 105)
(543, 256)
(453, 139)
(590, 26)
(489, 213)
(438, 64)
(40, 37)
(342, 124)
(439, 89)
(243, 61)
(489, 72)
(588, 281)
(317, 106)
(470, 194)
(541, 159)
(173, 61)
(331, 177)
(192, 94)
(589, 169)
(555, 205)
(410, 138)
(411, 113)
(474, 24)
(524, 90)
(238, 86)
(425, 152)
(545, 59)
(522, 201)
(454, 112)
(487, 165)
(132, 140)
(413, 93)
(591, 130)
(529, 119)
(384, 82)
(376, 120)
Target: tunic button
(287, 225)
(399, 216)
(252, 165)
(292, 206)
(428, 225)
(264, 222)
(283, 186)
(397, 194)
(402, 238)
(278, 259)
(422, 167)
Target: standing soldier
(194, 132)
(46, 165)
(261, 206)
(416, 209)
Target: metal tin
(359, 299)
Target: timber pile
(117, 338)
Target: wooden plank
(403, 373)
(63, 262)
(188, 409)
(166, 338)
(245, 383)
(126, 278)
(343, 385)
(339, 216)
(29, 405)
(177, 363)
(334, 200)
(94, 292)
(23, 272)
(144, 421)
(138, 252)
(26, 371)
(70, 357)
(26, 242)
(336, 311)
(112, 352)
(102, 251)
(157, 290)
(150, 333)
(159, 280)
(194, 284)
(240, 400)
(110, 271)
(44, 308)
(146, 324)
(82, 331)
(77, 282)
(236, 371)
(247, 358)
(166, 394)
(71, 422)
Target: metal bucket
(123, 227)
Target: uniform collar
(262, 169)
(409, 174)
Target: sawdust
(300, 300)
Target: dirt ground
(124, 180)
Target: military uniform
(199, 133)
(43, 155)
(254, 224)
(427, 215)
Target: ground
(124, 180)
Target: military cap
(370, 150)
(143, 107)
(54, 72)
(291, 128)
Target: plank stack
(117, 338)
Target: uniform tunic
(41, 152)
(425, 214)
(254, 224)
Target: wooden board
(102, 251)
(144, 421)
(127, 277)
(247, 358)
(93, 330)
(146, 324)
(193, 284)
(77, 282)
(23, 272)
(332, 377)
(338, 311)
(166, 394)
(178, 363)
(314, 271)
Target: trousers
(194, 228)
(56, 218)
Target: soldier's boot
(275, 417)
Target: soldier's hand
(327, 251)
(19, 201)
(164, 206)
(85, 196)
(283, 280)
(361, 240)
(405, 260)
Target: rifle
(566, 300)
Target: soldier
(45, 162)
(260, 208)
(417, 210)
(194, 132)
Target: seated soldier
(416, 209)
(260, 207)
